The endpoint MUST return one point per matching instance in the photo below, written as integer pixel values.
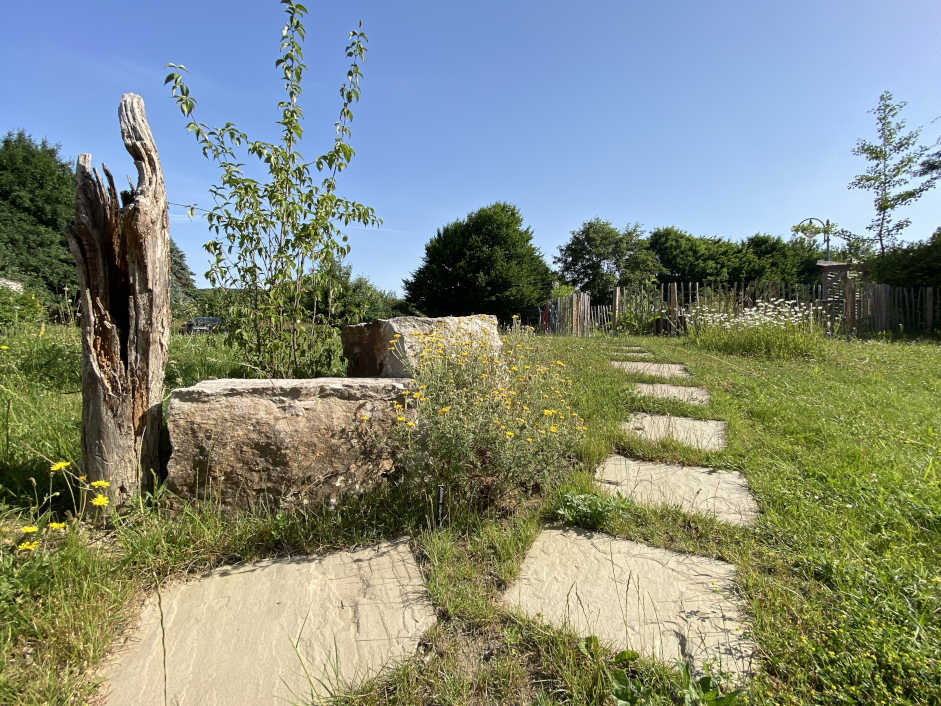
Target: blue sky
(722, 118)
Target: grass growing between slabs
(840, 576)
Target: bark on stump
(122, 255)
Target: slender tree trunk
(122, 255)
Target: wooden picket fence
(856, 307)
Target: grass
(840, 575)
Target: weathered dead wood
(122, 255)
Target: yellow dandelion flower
(99, 501)
(553, 429)
(81, 477)
(416, 395)
(397, 406)
(29, 529)
(365, 417)
(542, 431)
(444, 410)
(58, 526)
(548, 412)
(560, 363)
(27, 546)
(400, 419)
(409, 424)
(529, 439)
(100, 484)
(4, 348)
(60, 465)
(510, 435)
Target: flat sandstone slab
(230, 637)
(662, 370)
(722, 494)
(661, 604)
(703, 434)
(691, 395)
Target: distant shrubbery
(915, 265)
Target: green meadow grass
(840, 575)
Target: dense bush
(491, 429)
(915, 265)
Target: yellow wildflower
(27, 546)
(81, 477)
(409, 424)
(548, 412)
(365, 417)
(510, 435)
(553, 429)
(444, 410)
(529, 439)
(59, 526)
(99, 500)
(400, 419)
(100, 484)
(59, 465)
(4, 348)
(29, 529)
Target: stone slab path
(722, 494)
(663, 370)
(245, 634)
(659, 603)
(634, 354)
(703, 434)
(691, 395)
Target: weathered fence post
(122, 255)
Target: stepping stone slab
(664, 605)
(691, 395)
(722, 494)
(230, 637)
(703, 434)
(662, 370)
(635, 354)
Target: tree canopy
(599, 257)
(896, 161)
(37, 193)
(485, 263)
(686, 258)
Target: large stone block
(279, 442)
(393, 347)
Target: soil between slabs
(663, 605)
(722, 494)
(230, 637)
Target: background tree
(764, 257)
(273, 235)
(599, 258)
(895, 160)
(483, 264)
(182, 282)
(37, 197)
(686, 258)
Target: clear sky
(722, 118)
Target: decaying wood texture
(121, 251)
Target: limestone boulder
(393, 347)
(279, 443)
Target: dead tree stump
(122, 255)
